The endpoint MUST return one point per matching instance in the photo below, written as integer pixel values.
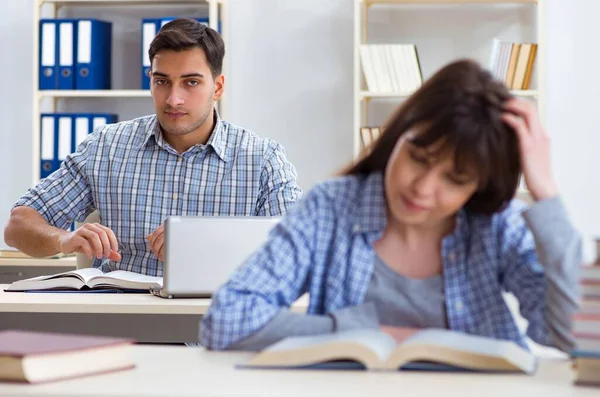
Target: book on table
(371, 349)
(36, 357)
(88, 279)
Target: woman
(421, 232)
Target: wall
(290, 78)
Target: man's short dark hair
(184, 34)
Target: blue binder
(100, 119)
(48, 144)
(48, 63)
(93, 55)
(85, 123)
(67, 53)
(64, 133)
(205, 21)
(150, 27)
(82, 126)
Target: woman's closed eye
(419, 158)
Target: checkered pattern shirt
(135, 180)
(324, 247)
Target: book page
(82, 274)
(473, 345)
(73, 279)
(380, 343)
(457, 341)
(125, 279)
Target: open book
(429, 349)
(88, 279)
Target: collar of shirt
(371, 210)
(217, 139)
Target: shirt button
(175, 196)
(180, 159)
(356, 228)
(459, 306)
(451, 256)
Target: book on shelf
(37, 357)
(368, 136)
(392, 68)
(513, 63)
(370, 349)
(88, 279)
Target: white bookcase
(442, 30)
(126, 17)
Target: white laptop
(201, 252)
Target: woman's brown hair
(460, 107)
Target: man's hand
(157, 242)
(91, 239)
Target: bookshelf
(123, 92)
(432, 27)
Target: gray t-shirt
(400, 301)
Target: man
(184, 160)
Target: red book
(36, 357)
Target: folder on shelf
(100, 119)
(48, 148)
(81, 129)
(67, 35)
(150, 27)
(205, 21)
(93, 54)
(86, 123)
(48, 68)
(63, 143)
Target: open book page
(468, 350)
(71, 279)
(125, 279)
(367, 346)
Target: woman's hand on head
(534, 147)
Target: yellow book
(512, 64)
(521, 69)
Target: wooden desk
(144, 317)
(183, 371)
(13, 269)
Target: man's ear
(219, 87)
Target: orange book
(36, 357)
(529, 70)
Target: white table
(182, 371)
(144, 317)
(13, 269)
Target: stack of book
(368, 136)
(391, 68)
(513, 63)
(587, 329)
